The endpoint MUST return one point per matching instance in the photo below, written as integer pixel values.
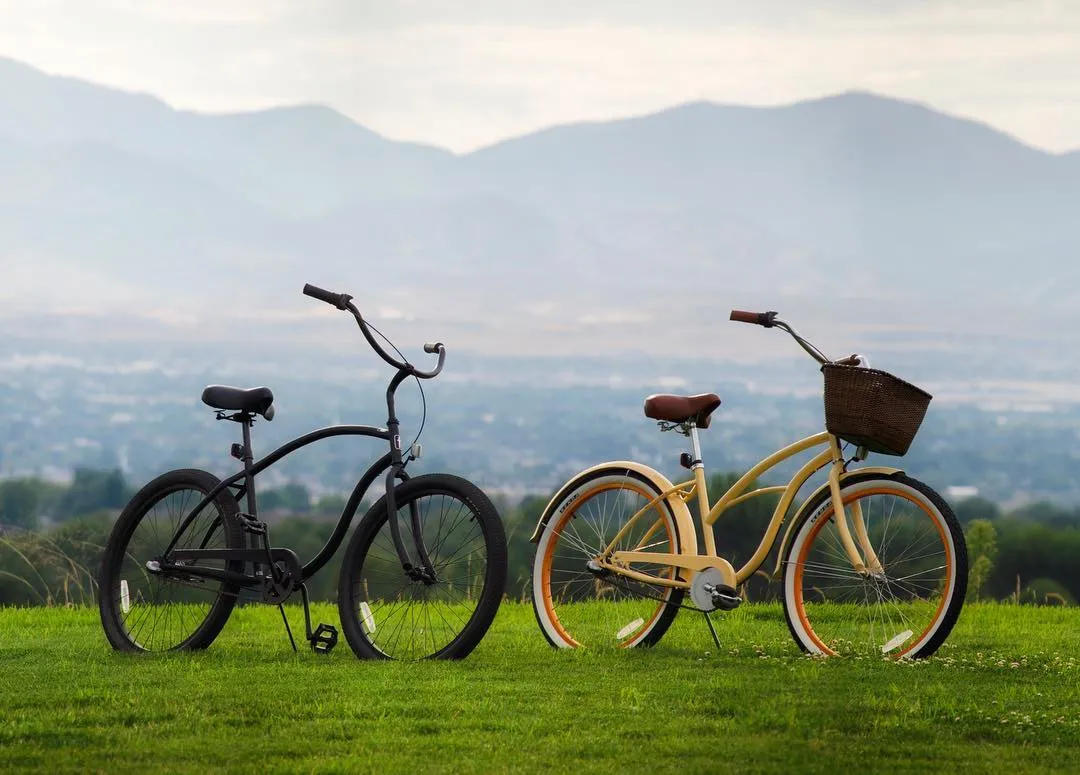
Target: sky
(462, 74)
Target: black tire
(908, 607)
(577, 608)
(387, 615)
(142, 611)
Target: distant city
(515, 426)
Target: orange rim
(800, 564)
(545, 568)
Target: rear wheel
(905, 609)
(576, 605)
(386, 613)
(143, 609)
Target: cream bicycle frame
(690, 561)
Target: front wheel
(386, 613)
(903, 606)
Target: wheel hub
(597, 570)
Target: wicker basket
(872, 408)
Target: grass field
(1003, 694)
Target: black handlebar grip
(339, 300)
(432, 347)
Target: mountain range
(625, 233)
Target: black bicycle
(422, 577)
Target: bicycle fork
(424, 572)
(866, 564)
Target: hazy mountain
(300, 160)
(86, 221)
(108, 196)
(854, 178)
(847, 146)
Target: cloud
(482, 83)
(465, 73)
(614, 318)
(207, 12)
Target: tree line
(52, 535)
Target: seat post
(247, 457)
(697, 467)
(695, 446)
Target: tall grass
(46, 571)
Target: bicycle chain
(666, 602)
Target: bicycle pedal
(726, 601)
(323, 639)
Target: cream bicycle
(873, 562)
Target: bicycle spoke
(884, 613)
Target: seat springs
(680, 427)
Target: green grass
(1002, 695)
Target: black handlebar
(438, 347)
(339, 300)
(343, 301)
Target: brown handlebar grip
(745, 317)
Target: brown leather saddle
(680, 409)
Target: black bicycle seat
(258, 400)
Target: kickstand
(711, 628)
(288, 629)
(324, 637)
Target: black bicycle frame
(251, 470)
(391, 462)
